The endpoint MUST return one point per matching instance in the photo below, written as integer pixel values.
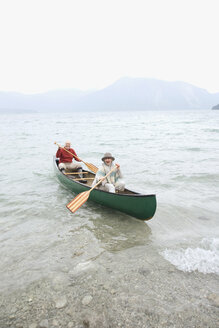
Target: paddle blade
(79, 200)
(92, 167)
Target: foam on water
(204, 258)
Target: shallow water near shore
(99, 267)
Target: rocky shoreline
(106, 293)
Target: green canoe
(132, 203)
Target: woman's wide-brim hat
(107, 155)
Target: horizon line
(101, 88)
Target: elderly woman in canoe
(112, 183)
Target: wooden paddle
(81, 198)
(90, 166)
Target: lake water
(111, 269)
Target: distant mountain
(55, 100)
(125, 94)
(148, 94)
(215, 107)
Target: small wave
(204, 258)
(205, 177)
(212, 130)
(106, 144)
(193, 148)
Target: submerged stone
(61, 302)
(87, 299)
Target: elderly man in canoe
(114, 181)
(66, 159)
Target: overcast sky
(88, 44)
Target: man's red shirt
(65, 157)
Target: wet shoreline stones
(121, 297)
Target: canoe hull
(140, 206)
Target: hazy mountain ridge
(124, 94)
(52, 100)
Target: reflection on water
(116, 231)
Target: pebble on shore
(61, 302)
